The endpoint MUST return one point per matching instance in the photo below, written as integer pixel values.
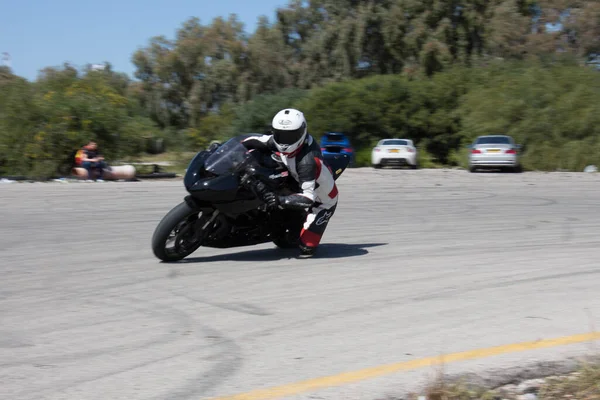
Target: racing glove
(266, 195)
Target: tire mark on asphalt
(356, 309)
(227, 351)
(67, 295)
(152, 312)
(567, 229)
(182, 321)
(228, 360)
(363, 287)
(539, 202)
(324, 316)
(452, 291)
(243, 308)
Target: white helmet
(289, 130)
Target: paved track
(415, 263)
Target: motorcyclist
(300, 153)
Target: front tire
(178, 224)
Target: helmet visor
(288, 137)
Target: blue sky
(41, 33)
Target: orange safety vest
(79, 156)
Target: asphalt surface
(414, 264)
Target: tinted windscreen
(334, 138)
(493, 140)
(227, 157)
(395, 143)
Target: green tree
(44, 121)
(550, 110)
(255, 116)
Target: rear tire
(472, 169)
(181, 218)
(286, 243)
(288, 236)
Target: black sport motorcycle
(222, 210)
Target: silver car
(494, 151)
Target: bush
(427, 160)
(553, 111)
(571, 156)
(362, 157)
(42, 123)
(386, 106)
(459, 158)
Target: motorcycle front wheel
(179, 229)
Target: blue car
(333, 143)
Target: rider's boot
(306, 251)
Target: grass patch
(440, 388)
(583, 384)
(362, 157)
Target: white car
(399, 152)
(495, 151)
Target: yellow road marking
(367, 373)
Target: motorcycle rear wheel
(286, 243)
(290, 239)
(178, 225)
(289, 236)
